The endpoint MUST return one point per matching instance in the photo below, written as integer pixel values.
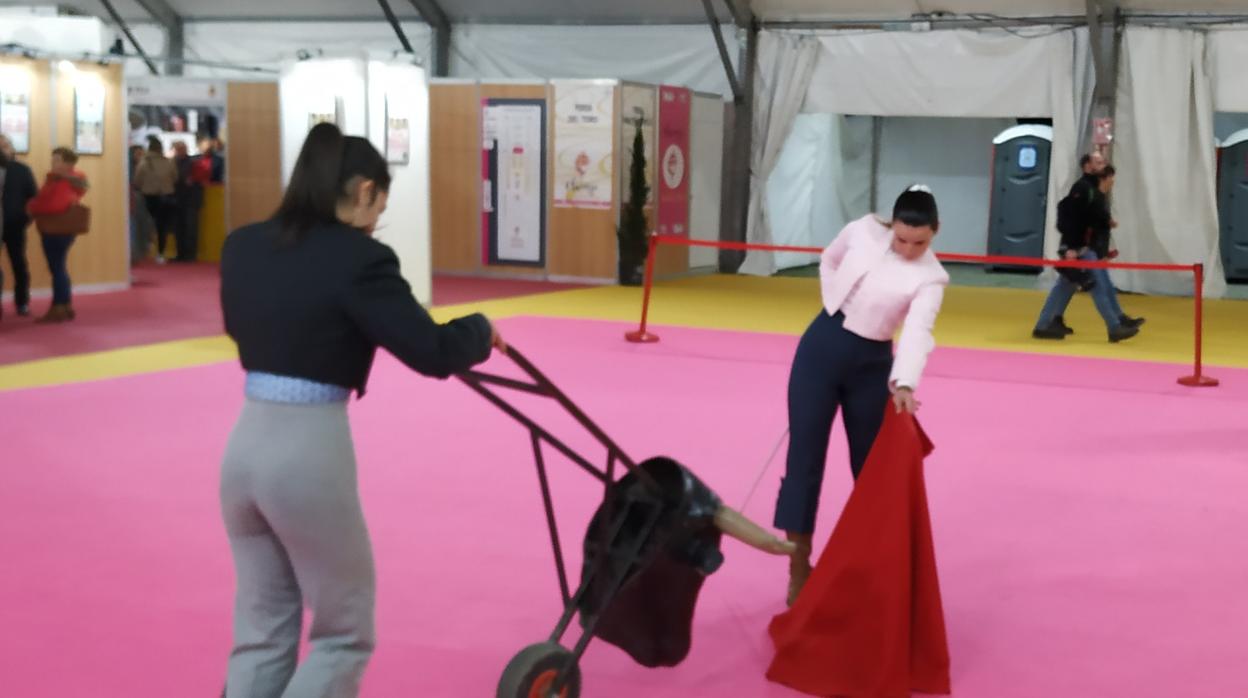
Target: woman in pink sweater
(877, 276)
(63, 188)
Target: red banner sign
(672, 216)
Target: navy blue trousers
(834, 369)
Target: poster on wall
(175, 111)
(89, 118)
(584, 139)
(398, 137)
(15, 117)
(326, 110)
(675, 106)
(513, 181)
(637, 106)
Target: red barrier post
(1198, 379)
(641, 336)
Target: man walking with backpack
(1084, 221)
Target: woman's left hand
(903, 400)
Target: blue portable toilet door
(1233, 207)
(1020, 190)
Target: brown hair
(66, 154)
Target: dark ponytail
(917, 207)
(328, 164)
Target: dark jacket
(1084, 217)
(319, 308)
(19, 189)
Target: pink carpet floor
(1088, 515)
(176, 301)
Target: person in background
(188, 200)
(1088, 241)
(17, 188)
(156, 178)
(141, 224)
(63, 188)
(218, 161)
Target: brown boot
(57, 313)
(799, 564)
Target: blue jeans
(1103, 296)
(56, 250)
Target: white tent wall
(682, 55)
(956, 73)
(269, 44)
(400, 91)
(821, 182)
(954, 158)
(706, 160)
(1165, 195)
(786, 62)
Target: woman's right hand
(496, 340)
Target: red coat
(868, 623)
(58, 194)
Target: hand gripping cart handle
(649, 547)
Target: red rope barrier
(1197, 379)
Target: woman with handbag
(59, 218)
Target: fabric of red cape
(868, 623)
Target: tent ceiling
(637, 11)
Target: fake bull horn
(735, 525)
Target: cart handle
(543, 386)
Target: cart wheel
(532, 673)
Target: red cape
(868, 623)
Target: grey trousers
(292, 511)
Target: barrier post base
(1198, 381)
(641, 337)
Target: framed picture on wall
(328, 110)
(15, 118)
(89, 118)
(398, 138)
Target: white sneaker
(160, 259)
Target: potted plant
(633, 230)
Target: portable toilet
(1233, 205)
(1020, 189)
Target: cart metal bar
(652, 519)
(575, 411)
(603, 560)
(550, 518)
(515, 414)
(489, 378)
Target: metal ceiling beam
(723, 51)
(394, 24)
(175, 39)
(435, 17)
(741, 12)
(121, 24)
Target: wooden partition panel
(253, 157)
(101, 257)
(455, 174)
(487, 91)
(581, 241)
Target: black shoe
(1129, 321)
(1121, 332)
(1061, 322)
(23, 310)
(1053, 331)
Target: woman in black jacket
(308, 296)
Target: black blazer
(319, 308)
(19, 189)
